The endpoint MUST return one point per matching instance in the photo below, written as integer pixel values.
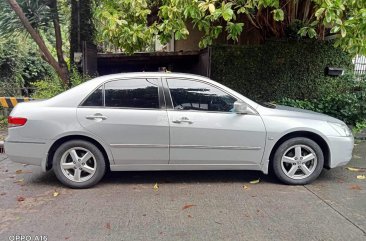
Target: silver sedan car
(170, 121)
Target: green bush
(345, 99)
(20, 64)
(3, 122)
(47, 88)
(50, 87)
(277, 69)
(292, 73)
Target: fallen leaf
(352, 169)
(108, 225)
(355, 187)
(20, 199)
(3, 193)
(255, 181)
(19, 181)
(188, 206)
(189, 216)
(361, 177)
(22, 172)
(55, 193)
(156, 187)
(245, 187)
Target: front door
(205, 130)
(127, 115)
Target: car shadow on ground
(148, 177)
(141, 177)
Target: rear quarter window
(95, 98)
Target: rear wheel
(298, 161)
(79, 164)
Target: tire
(79, 164)
(293, 162)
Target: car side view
(170, 121)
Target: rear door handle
(183, 119)
(96, 116)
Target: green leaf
(211, 8)
(227, 12)
(343, 32)
(319, 12)
(335, 29)
(312, 33)
(278, 15)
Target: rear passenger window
(132, 93)
(95, 99)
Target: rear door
(130, 116)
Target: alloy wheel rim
(78, 164)
(299, 162)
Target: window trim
(170, 100)
(161, 97)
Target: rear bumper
(32, 153)
(340, 150)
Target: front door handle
(183, 119)
(96, 116)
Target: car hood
(286, 111)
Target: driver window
(194, 95)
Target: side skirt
(181, 167)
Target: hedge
(278, 69)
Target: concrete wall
(191, 43)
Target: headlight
(342, 129)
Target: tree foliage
(20, 65)
(132, 24)
(39, 19)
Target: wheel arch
(312, 136)
(64, 139)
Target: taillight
(16, 121)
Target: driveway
(192, 205)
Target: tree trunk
(60, 69)
(56, 24)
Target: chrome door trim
(186, 146)
(26, 142)
(139, 145)
(216, 147)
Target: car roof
(149, 74)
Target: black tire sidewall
(98, 175)
(276, 162)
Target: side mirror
(242, 108)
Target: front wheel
(79, 164)
(298, 161)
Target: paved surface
(210, 205)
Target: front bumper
(32, 153)
(340, 150)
